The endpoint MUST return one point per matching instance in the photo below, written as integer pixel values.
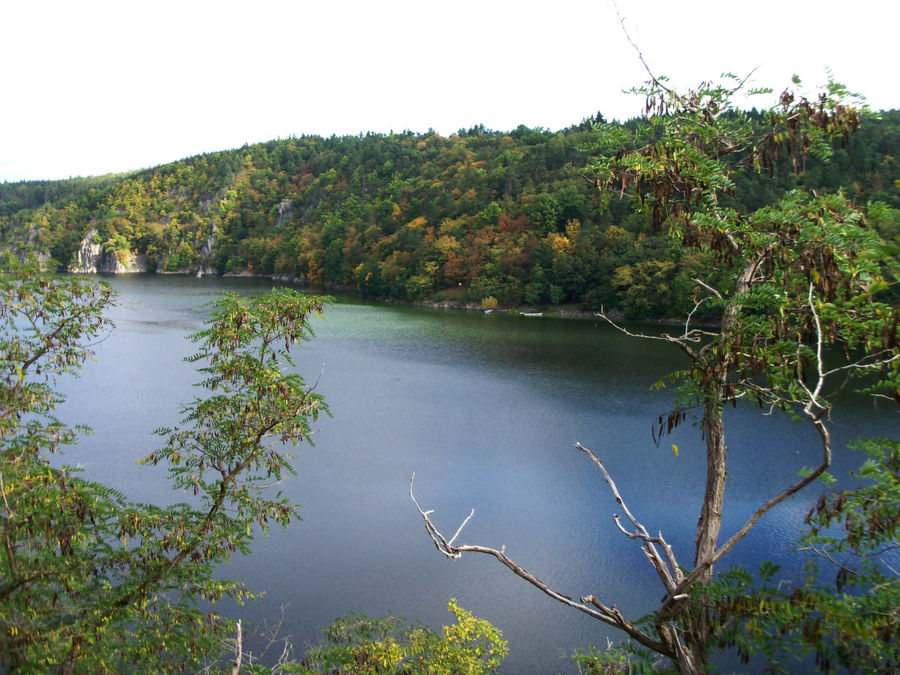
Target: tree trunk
(710, 523)
(715, 396)
(683, 656)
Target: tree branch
(669, 577)
(238, 649)
(10, 549)
(588, 604)
(696, 334)
(762, 510)
(662, 338)
(707, 287)
(640, 56)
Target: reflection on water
(486, 410)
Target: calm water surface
(485, 409)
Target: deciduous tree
(90, 581)
(789, 281)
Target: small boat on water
(531, 313)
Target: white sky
(93, 86)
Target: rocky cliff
(92, 259)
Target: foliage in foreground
(89, 581)
(358, 645)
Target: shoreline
(548, 311)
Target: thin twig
(640, 56)
(3, 493)
(687, 322)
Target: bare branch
(814, 395)
(440, 542)
(238, 647)
(3, 493)
(740, 85)
(588, 605)
(707, 287)
(271, 633)
(669, 577)
(318, 379)
(867, 362)
(640, 56)
(694, 335)
(460, 528)
(679, 342)
(10, 547)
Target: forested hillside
(416, 217)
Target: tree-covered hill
(415, 217)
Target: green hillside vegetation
(418, 217)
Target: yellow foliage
(378, 657)
(490, 302)
(561, 244)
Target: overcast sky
(92, 87)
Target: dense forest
(481, 217)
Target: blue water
(485, 409)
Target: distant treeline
(482, 214)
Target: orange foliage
(454, 269)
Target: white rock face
(207, 249)
(124, 263)
(285, 212)
(206, 252)
(88, 255)
(91, 259)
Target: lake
(486, 410)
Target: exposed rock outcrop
(206, 256)
(285, 212)
(92, 259)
